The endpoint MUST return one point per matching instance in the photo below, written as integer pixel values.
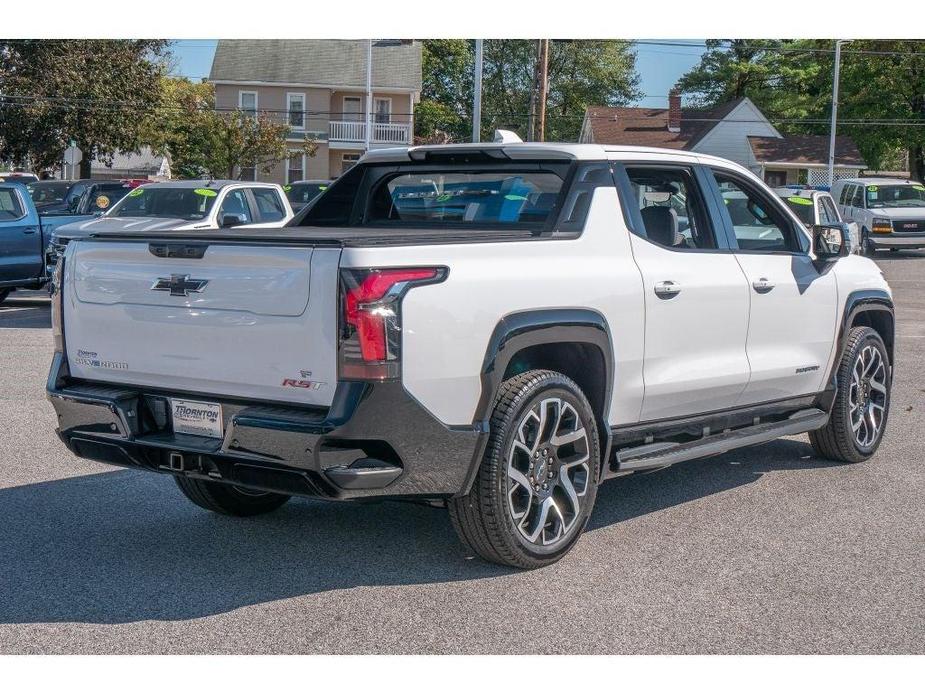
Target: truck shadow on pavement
(18, 313)
(125, 546)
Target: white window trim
(241, 94)
(289, 110)
(377, 99)
(291, 152)
(343, 110)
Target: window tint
(857, 196)
(304, 193)
(454, 197)
(670, 207)
(10, 207)
(335, 207)
(235, 203)
(758, 224)
(269, 205)
(827, 211)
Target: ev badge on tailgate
(179, 285)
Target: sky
(659, 66)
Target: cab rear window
(437, 198)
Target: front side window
(235, 203)
(895, 196)
(827, 212)
(247, 102)
(10, 206)
(857, 196)
(758, 225)
(438, 198)
(173, 203)
(269, 204)
(670, 207)
(296, 109)
(104, 197)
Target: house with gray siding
(318, 87)
(736, 130)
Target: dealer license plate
(197, 418)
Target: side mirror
(231, 220)
(830, 241)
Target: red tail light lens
(371, 337)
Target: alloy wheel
(867, 396)
(547, 471)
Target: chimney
(674, 111)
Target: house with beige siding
(318, 87)
(735, 130)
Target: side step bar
(656, 455)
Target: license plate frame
(197, 418)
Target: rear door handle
(667, 289)
(762, 285)
(29, 230)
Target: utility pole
(369, 92)
(534, 88)
(838, 44)
(477, 94)
(544, 85)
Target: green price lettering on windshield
(919, 187)
(205, 192)
(135, 193)
(800, 201)
(287, 188)
(872, 189)
(325, 188)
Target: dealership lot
(761, 550)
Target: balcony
(353, 132)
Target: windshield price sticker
(205, 192)
(135, 193)
(800, 201)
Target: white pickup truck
(494, 328)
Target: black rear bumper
(374, 441)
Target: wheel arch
(573, 341)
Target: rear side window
(10, 206)
(828, 213)
(440, 198)
(268, 204)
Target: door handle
(29, 230)
(667, 289)
(762, 285)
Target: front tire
(538, 479)
(227, 499)
(862, 404)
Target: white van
(889, 211)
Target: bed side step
(662, 454)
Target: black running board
(656, 455)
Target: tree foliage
(92, 91)
(203, 141)
(580, 73)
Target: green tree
(580, 73)
(202, 141)
(92, 91)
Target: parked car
(184, 205)
(17, 177)
(301, 193)
(22, 241)
(818, 207)
(496, 328)
(890, 212)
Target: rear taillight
(370, 344)
(57, 305)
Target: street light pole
(477, 94)
(838, 44)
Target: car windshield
(803, 207)
(48, 192)
(175, 203)
(892, 196)
(304, 192)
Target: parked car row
(889, 212)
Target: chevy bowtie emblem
(179, 285)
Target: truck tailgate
(246, 321)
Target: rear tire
(227, 499)
(538, 479)
(859, 415)
(3, 294)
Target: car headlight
(881, 225)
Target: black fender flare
(524, 329)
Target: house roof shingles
(648, 127)
(805, 149)
(325, 62)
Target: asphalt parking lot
(764, 550)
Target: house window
(383, 110)
(295, 107)
(353, 108)
(348, 162)
(248, 173)
(775, 179)
(295, 170)
(247, 102)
